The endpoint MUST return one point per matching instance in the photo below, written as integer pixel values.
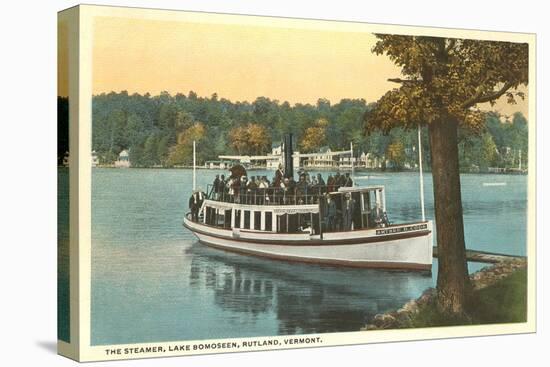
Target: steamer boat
(332, 224)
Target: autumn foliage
(447, 79)
(315, 136)
(182, 152)
(250, 139)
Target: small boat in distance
(494, 184)
(334, 224)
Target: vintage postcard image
(260, 183)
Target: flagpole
(194, 166)
(421, 175)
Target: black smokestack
(289, 167)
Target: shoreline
(482, 279)
(316, 169)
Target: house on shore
(219, 164)
(321, 159)
(123, 160)
(95, 159)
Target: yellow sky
(239, 62)
(62, 60)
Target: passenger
(302, 189)
(330, 183)
(292, 190)
(285, 191)
(236, 187)
(279, 174)
(262, 183)
(347, 212)
(314, 191)
(216, 188)
(223, 188)
(252, 188)
(195, 203)
(262, 190)
(243, 190)
(337, 181)
(348, 182)
(320, 180)
(330, 214)
(314, 182)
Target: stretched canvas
(233, 183)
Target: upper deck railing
(296, 195)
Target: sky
(241, 62)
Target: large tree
(443, 83)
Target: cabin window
(257, 220)
(208, 215)
(220, 218)
(293, 223)
(237, 219)
(281, 223)
(269, 221)
(227, 219)
(246, 219)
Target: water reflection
(303, 298)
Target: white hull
(407, 246)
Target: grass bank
(499, 296)
(503, 302)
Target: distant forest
(159, 130)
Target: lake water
(152, 281)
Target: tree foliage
(182, 152)
(123, 121)
(315, 136)
(250, 139)
(447, 78)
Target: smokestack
(289, 166)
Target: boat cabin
(274, 210)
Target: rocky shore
(402, 318)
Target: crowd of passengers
(280, 190)
(344, 215)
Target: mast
(352, 166)
(288, 156)
(194, 166)
(421, 175)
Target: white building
(323, 159)
(275, 157)
(66, 159)
(368, 160)
(346, 161)
(123, 160)
(95, 159)
(216, 164)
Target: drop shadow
(49, 346)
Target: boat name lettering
(401, 229)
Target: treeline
(159, 131)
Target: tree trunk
(453, 283)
